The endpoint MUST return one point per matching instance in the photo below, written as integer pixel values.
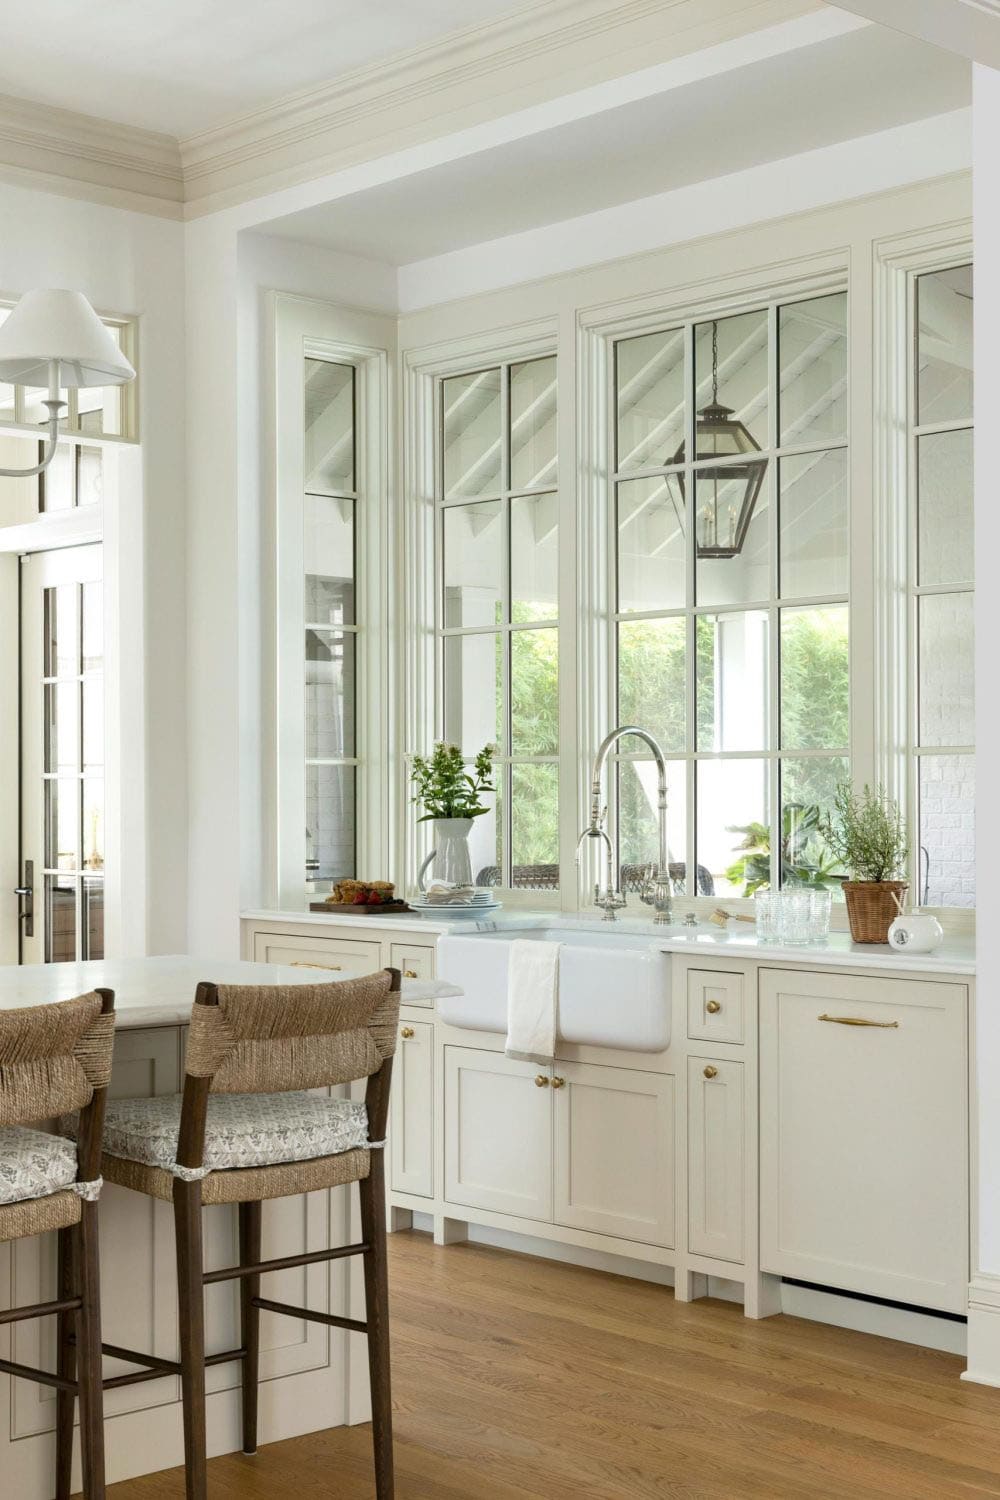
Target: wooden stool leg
(377, 1311)
(191, 1307)
(250, 1253)
(66, 1365)
(89, 1359)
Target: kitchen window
(730, 589)
(498, 608)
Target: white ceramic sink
(614, 988)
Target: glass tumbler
(795, 917)
(765, 916)
(819, 921)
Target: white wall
(131, 263)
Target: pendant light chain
(715, 362)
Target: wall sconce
(55, 339)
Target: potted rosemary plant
(867, 835)
(452, 797)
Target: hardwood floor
(517, 1377)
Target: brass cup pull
(713, 1007)
(541, 1082)
(709, 1071)
(409, 974)
(406, 1033)
(858, 1021)
(558, 1083)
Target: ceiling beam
(969, 27)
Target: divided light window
(942, 767)
(732, 620)
(498, 545)
(329, 505)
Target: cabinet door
(614, 1152)
(338, 955)
(864, 1150)
(716, 1162)
(498, 1129)
(411, 1120)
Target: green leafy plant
(867, 833)
(805, 859)
(445, 787)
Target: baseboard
(907, 1327)
(983, 1367)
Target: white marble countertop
(160, 991)
(956, 955)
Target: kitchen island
(311, 1377)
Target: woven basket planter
(871, 907)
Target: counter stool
(243, 1131)
(55, 1059)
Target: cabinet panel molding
(498, 1133)
(716, 1157)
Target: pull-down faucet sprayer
(656, 892)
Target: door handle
(26, 894)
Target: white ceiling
(839, 89)
(180, 66)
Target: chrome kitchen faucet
(656, 890)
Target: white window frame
(898, 264)
(304, 328)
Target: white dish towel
(532, 1000)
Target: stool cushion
(34, 1164)
(244, 1130)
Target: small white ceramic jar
(916, 932)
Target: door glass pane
(93, 917)
(652, 679)
(486, 838)
(944, 345)
(808, 787)
(330, 695)
(733, 681)
(944, 508)
(330, 822)
(650, 378)
(947, 830)
(62, 630)
(93, 626)
(814, 515)
(89, 475)
(534, 692)
(638, 819)
(741, 369)
(533, 431)
(60, 919)
(472, 434)
(473, 694)
(812, 366)
(473, 564)
(93, 823)
(56, 484)
(534, 558)
(328, 549)
(720, 519)
(651, 552)
(815, 670)
(93, 724)
(62, 824)
(62, 727)
(733, 808)
(535, 827)
(329, 427)
(947, 715)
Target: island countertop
(160, 991)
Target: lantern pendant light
(723, 517)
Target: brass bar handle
(858, 1021)
(300, 963)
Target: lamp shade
(57, 327)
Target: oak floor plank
(516, 1378)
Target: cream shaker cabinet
(716, 1157)
(863, 1131)
(411, 1111)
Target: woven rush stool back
(269, 1039)
(54, 1057)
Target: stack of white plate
(474, 905)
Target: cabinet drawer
(715, 1158)
(411, 1121)
(715, 1006)
(338, 955)
(415, 961)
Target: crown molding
(82, 156)
(465, 78)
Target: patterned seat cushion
(244, 1130)
(34, 1164)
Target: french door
(61, 886)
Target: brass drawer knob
(558, 1083)
(709, 1071)
(410, 974)
(406, 1033)
(713, 1007)
(541, 1082)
